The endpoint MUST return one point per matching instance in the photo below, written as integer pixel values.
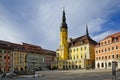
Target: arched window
(117, 56)
(102, 64)
(109, 64)
(79, 66)
(76, 66)
(98, 65)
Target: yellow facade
(83, 55)
(19, 60)
(78, 57)
(77, 53)
(63, 45)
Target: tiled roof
(81, 41)
(113, 35)
(49, 52)
(17, 47)
(25, 47)
(33, 48)
(5, 45)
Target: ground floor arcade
(73, 64)
(102, 64)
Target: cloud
(38, 21)
(102, 35)
(8, 31)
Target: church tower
(87, 33)
(63, 53)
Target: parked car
(3, 75)
(9, 74)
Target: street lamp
(33, 69)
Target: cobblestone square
(69, 75)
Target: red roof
(33, 48)
(17, 47)
(49, 52)
(113, 35)
(5, 45)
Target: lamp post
(33, 69)
(113, 70)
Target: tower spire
(64, 24)
(63, 17)
(87, 33)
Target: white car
(10, 74)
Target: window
(75, 61)
(69, 62)
(102, 65)
(115, 39)
(116, 47)
(81, 48)
(109, 56)
(105, 57)
(74, 57)
(85, 56)
(77, 49)
(108, 41)
(0, 51)
(117, 56)
(81, 56)
(98, 65)
(96, 58)
(102, 50)
(96, 51)
(112, 48)
(77, 56)
(74, 50)
(79, 61)
(109, 64)
(85, 48)
(99, 51)
(102, 57)
(105, 42)
(101, 43)
(99, 58)
(108, 49)
(105, 49)
(112, 56)
(81, 42)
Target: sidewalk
(85, 71)
(36, 75)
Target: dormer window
(81, 42)
(115, 39)
(72, 44)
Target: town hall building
(77, 53)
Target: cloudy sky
(38, 21)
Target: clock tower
(63, 53)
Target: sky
(38, 21)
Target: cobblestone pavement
(69, 75)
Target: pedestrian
(3, 75)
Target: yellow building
(74, 53)
(19, 57)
